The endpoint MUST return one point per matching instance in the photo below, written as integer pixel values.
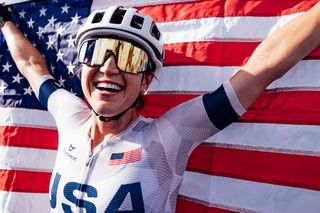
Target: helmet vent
(137, 22)
(97, 18)
(155, 31)
(118, 15)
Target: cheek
(86, 75)
(83, 80)
(134, 86)
(83, 83)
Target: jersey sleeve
(223, 106)
(184, 127)
(201, 117)
(62, 104)
(46, 87)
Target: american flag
(266, 162)
(125, 157)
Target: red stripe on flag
(315, 54)
(28, 137)
(267, 167)
(205, 9)
(205, 53)
(24, 181)
(270, 107)
(294, 107)
(185, 205)
(214, 53)
(157, 104)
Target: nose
(109, 66)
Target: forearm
(284, 48)
(27, 58)
(277, 54)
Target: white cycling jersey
(138, 170)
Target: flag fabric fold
(266, 162)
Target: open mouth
(109, 87)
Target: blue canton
(51, 26)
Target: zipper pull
(89, 160)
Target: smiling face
(110, 91)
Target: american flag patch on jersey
(125, 157)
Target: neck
(107, 129)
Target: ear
(147, 79)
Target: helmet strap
(115, 117)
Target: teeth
(103, 85)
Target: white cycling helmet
(124, 23)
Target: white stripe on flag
(9, 2)
(244, 28)
(24, 202)
(99, 4)
(207, 78)
(286, 138)
(239, 194)
(30, 159)
(190, 78)
(26, 117)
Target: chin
(106, 111)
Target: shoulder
(61, 103)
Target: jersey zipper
(90, 163)
(86, 172)
(90, 154)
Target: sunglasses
(129, 57)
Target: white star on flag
(17, 78)
(52, 68)
(30, 23)
(6, 67)
(75, 19)
(70, 68)
(60, 55)
(50, 43)
(42, 11)
(71, 41)
(61, 81)
(65, 9)
(40, 32)
(22, 14)
(73, 92)
(60, 30)
(51, 21)
(27, 91)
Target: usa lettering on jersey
(70, 188)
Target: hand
(5, 15)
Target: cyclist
(111, 159)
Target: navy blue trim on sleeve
(219, 108)
(45, 90)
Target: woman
(111, 159)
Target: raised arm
(27, 58)
(276, 55)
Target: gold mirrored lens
(129, 58)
